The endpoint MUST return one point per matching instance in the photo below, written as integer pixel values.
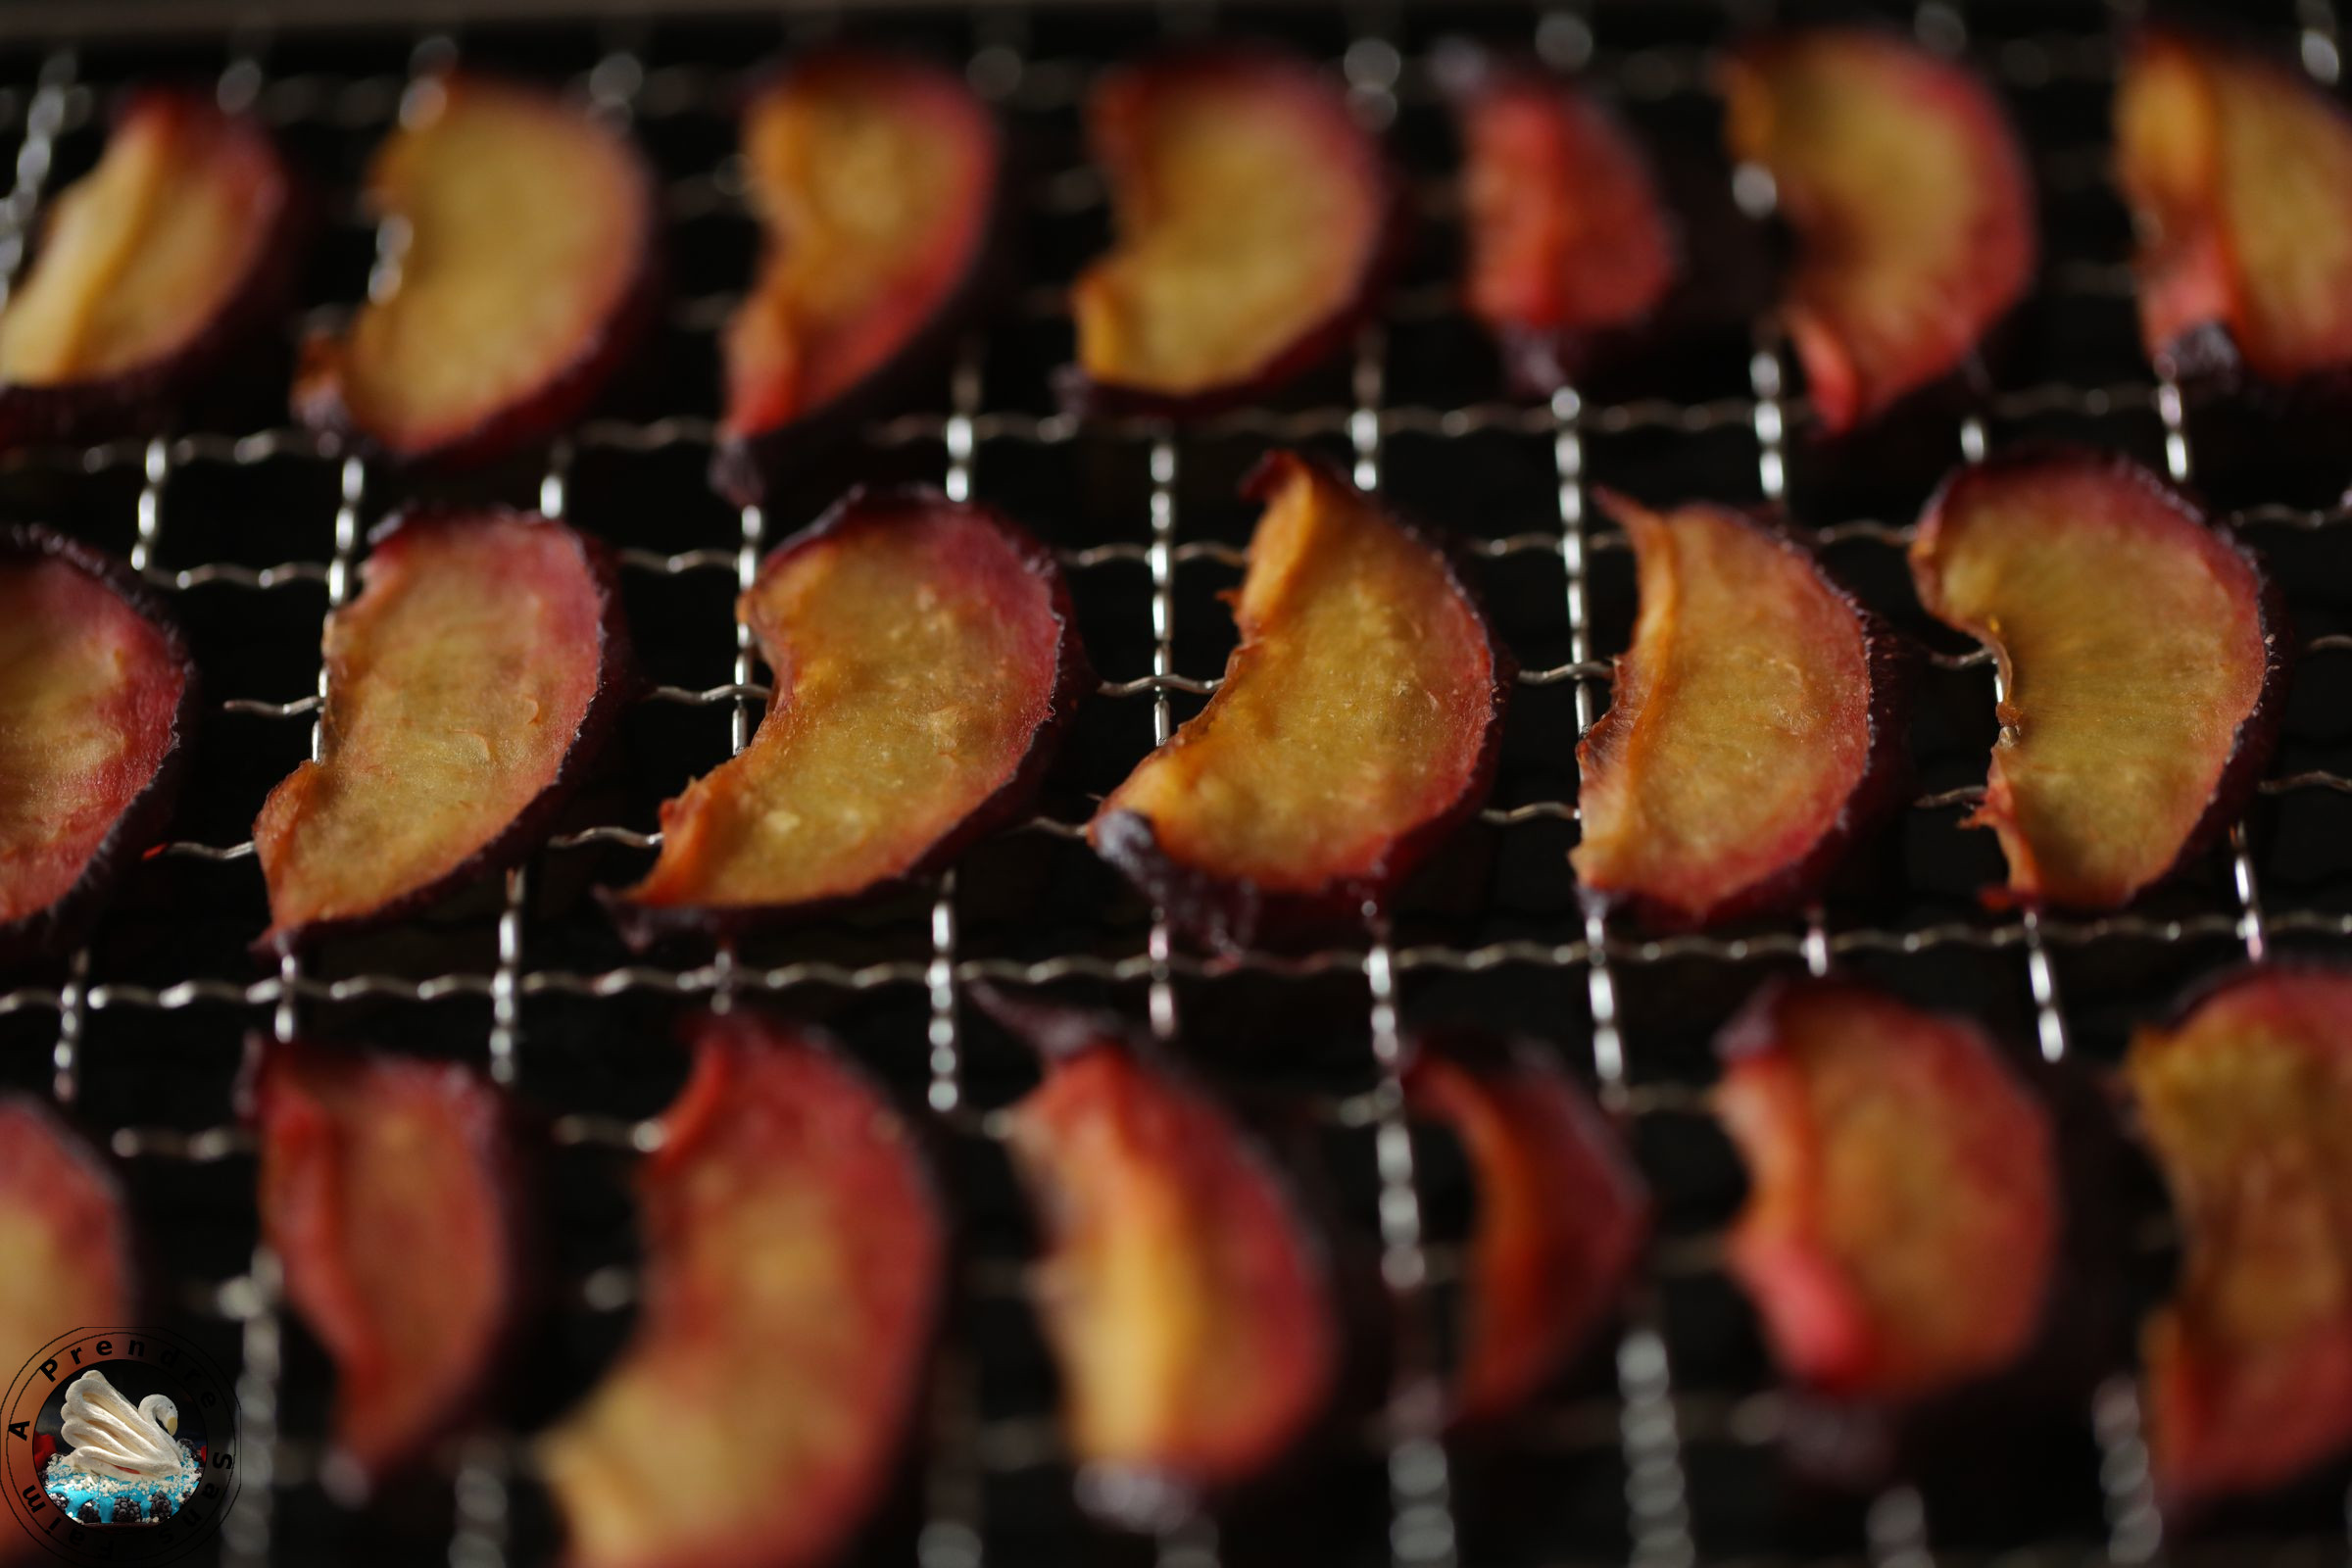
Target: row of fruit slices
(1929, 1242)
(926, 664)
(1256, 223)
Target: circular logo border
(198, 1519)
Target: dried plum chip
(390, 1189)
(1256, 223)
(523, 275)
(1185, 1297)
(2244, 1100)
(69, 1230)
(1561, 1212)
(1755, 731)
(880, 181)
(1570, 244)
(2144, 658)
(1356, 727)
(1904, 1213)
(926, 660)
(796, 1260)
(97, 708)
(1908, 192)
(151, 271)
(2236, 167)
(468, 688)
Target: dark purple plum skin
(1074, 679)
(1230, 914)
(617, 684)
(64, 923)
(746, 468)
(142, 398)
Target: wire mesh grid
(1661, 1450)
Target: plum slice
(879, 180)
(1755, 728)
(524, 277)
(1902, 1222)
(97, 704)
(151, 271)
(65, 1230)
(2143, 653)
(925, 658)
(1569, 238)
(1184, 1294)
(1561, 1212)
(389, 1188)
(1908, 194)
(796, 1259)
(1356, 724)
(2244, 1100)
(1256, 222)
(468, 689)
(2234, 167)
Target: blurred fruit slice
(523, 275)
(1256, 222)
(2244, 1101)
(170, 256)
(796, 1255)
(1908, 192)
(1905, 1211)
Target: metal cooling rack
(1661, 1450)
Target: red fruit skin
(2248, 1366)
(487, 434)
(1880, 791)
(1573, 252)
(2199, 314)
(1118, 113)
(1791, 1059)
(1562, 1213)
(1854, 378)
(920, 332)
(616, 683)
(2257, 735)
(1230, 912)
(1115, 1145)
(415, 1291)
(1072, 680)
(142, 398)
(166, 709)
(778, 1141)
